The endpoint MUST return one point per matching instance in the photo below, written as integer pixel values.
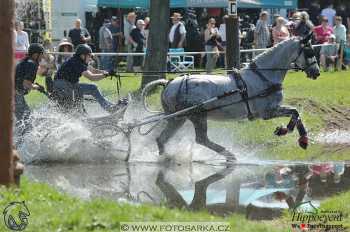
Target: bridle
(308, 54)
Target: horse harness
(242, 86)
(243, 90)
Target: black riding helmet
(83, 49)
(35, 48)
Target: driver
(67, 89)
(26, 71)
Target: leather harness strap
(242, 86)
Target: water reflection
(258, 191)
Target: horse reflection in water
(261, 192)
(260, 94)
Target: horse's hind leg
(172, 126)
(201, 128)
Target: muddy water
(260, 191)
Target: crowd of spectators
(329, 26)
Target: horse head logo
(16, 216)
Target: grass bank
(54, 211)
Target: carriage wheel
(113, 133)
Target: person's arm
(28, 85)
(132, 39)
(87, 35)
(183, 36)
(26, 43)
(29, 78)
(256, 31)
(94, 77)
(70, 36)
(206, 35)
(109, 39)
(96, 71)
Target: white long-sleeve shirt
(22, 41)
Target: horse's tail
(149, 87)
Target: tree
(158, 42)
(6, 90)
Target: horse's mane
(268, 52)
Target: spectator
(329, 13)
(114, 27)
(346, 52)
(79, 35)
(106, 45)
(248, 38)
(274, 20)
(128, 27)
(339, 30)
(222, 33)
(301, 25)
(323, 31)
(137, 38)
(64, 46)
(329, 54)
(314, 11)
(22, 40)
(280, 31)
(147, 23)
(211, 35)
(262, 32)
(343, 12)
(177, 32)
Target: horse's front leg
(295, 121)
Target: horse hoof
(280, 131)
(303, 142)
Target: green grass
(54, 211)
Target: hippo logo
(16, 216)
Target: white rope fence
(175, 53)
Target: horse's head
(306, 59)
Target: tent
(288, 4)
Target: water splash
(59, 138)
(56, 137)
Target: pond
(258, 190)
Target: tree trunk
(6, 90)
(158, 42)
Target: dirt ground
(335, 135)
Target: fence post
(6, 91)
(232, 37)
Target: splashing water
(56, 137)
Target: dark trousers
(22, 113)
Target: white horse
(254, 92)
